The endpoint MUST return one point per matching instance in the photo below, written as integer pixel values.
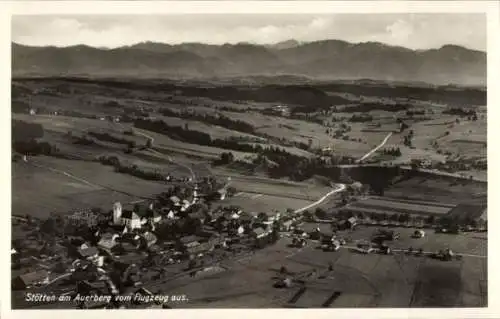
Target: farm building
(260, 233)
(419, 233)
(189, 241)
(347, 223)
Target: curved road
(138, 131)
(340, 187)
(376, 148)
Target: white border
(265, 7)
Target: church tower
(117, 213)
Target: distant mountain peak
(325, 59)
(287, 44)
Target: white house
(185, 204)
(241, 230)
(131, 220)
(171, 215)
(221, 193)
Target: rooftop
(34, 276)
(87, 252)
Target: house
(175, 200)
(131, 220)
(154, 217)
(351, 222)
(347, 223)
(246, 219)
(149, 239)
(107, 242)
(260, 232)
(185, 205)
(91, 254)
(221, 194)
(189, 241)
(241, 230)
(287, 225)
(31, 279)
(200, 248)
(419, 233)
(171, 214)
(86, 252)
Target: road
(396, 250)
(376, 148)
(340, 187)
(140, 132)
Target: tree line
(133, 170)
(219, 120)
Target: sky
(414, 31)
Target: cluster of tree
(26, 139)
(111, 104)
(34, 147)
(415, 112)
(463, 112)
(357, 118)
(174, 132)
(367, 107)
(133, 170)
(25, 131)
(463, 96)
(110, 138)
(84, 140)
(225, 158)
(394, 151)
(220, 120)
(236, 110)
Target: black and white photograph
(249, 160)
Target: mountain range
(324, 60)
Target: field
(39, 192)
(359, 280)
(380, 205)
(438, 190)
(46, 184)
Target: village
(183, 232)
(117, 251)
